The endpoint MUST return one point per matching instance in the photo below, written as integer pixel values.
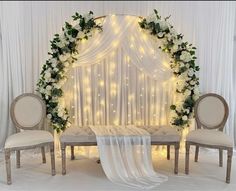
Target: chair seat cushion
(210, 137)
(85, 134)
(78, 135)
(28, 138)
(162, 133)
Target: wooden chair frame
(219, 127)
(72, 144)
(18, 149)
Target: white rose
(182, 64)
(64, 117)
(177, 41)
(152, 18)
(160, 34)
(187, 65)
(173, 32)
(196, 91)
(87, 17)
(56, 69)
(64, 57)
(187, 93)
(185, 118)
(185, 56)
(77, 27)
(47, 75)
(54, 65)
(53, 60)
(186, 110)
(192, 82)
(60, 114)
(175, 48)
(168, 36)
(48, 88)
(180, 85)
(195, 97)
(163, 25)
(190, 72)
(49, 116)
(46, 97)
(57, 86)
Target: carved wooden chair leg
(72, 153)
(187, 158)
(229, 161)
(168, 152)
(176, 158)
(220, 157)
(17, 159)
(196, 153)
(52, 159)
(43, 154)
(8, 165)
(63, 158)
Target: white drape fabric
(27, 27)
(125, 154)
(121, 77)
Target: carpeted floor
(84, 174)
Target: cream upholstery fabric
(79, 135)
(162, 133)
(28, 138)
(209, 137)
(211, 111)
(28, 111)
(85, 134)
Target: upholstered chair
(28, 114)
(211, 113)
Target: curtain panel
(27, 27)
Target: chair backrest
(211, 112)
(28, 111)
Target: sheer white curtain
(120, 77)
(127, 160)
(27, 27)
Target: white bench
(84, 136)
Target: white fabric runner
(125, 154)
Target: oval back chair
(211, 113)
(28, 114)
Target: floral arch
(62, 56)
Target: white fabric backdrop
(121, 77)
(27, 27)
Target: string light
(101, 83)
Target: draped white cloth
(27, 27)
(125, 154)
(120, 77)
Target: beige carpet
(84, 174)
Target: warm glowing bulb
(101, 83)
(102, 102)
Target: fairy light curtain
(121, 77)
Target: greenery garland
(54, 71)
(64, 48)
(182, 64)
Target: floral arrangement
(182, 64)
(54, 71)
